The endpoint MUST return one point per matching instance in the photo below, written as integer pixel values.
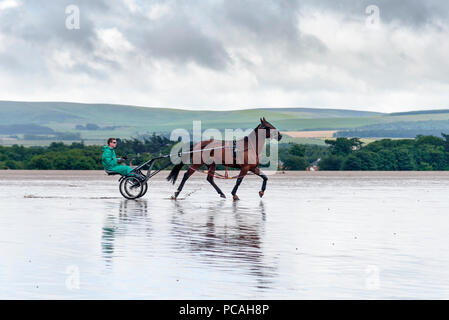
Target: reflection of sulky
(133, 207)
(223, 240)
(130, 213)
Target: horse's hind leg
(258, 172)
(210, 178)
(187, 175)
(243, 173)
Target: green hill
(98, 121)
(63, 115)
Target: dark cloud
(415, 13)
(43, 23)
(178, 40)
(268, 20)
(270, 26)
(174, 38)
(250, 46)
(39, 28)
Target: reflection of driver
(110, 160)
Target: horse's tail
(175, 172)
(176, 169)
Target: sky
(376, 55)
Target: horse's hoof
(222, 195)
(173, 197)
(261, 194)
(235, 197)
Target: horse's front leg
(259, 172)
(243, 173)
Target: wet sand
(100, 174)
(341, 235)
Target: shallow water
(313, 236)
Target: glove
(120, 160)
(124, 158)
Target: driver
(110, 160)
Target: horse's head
(264, 124)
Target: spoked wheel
(131, 188)
(144, 189)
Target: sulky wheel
(144, 189)
(131, 188)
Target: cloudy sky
(379, 55)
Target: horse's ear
(261, 121)
(264, 119)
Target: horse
(249, 151)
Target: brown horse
(243, 154)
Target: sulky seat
(111, 173)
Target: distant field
(317, 141)
(310, 134)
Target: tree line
(421, 153)
(78, 156)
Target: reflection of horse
(129, 213)
(219, 240)
(249, 152)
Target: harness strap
(220, 176)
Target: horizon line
(245, 108)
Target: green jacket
(109, 159)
